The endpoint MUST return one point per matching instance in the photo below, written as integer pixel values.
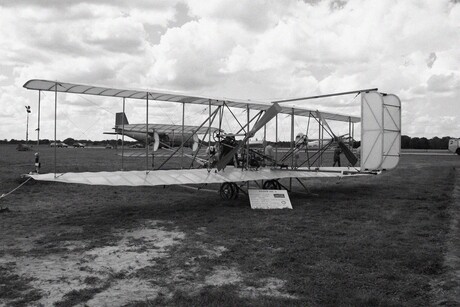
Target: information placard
(269, 199)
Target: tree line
(423, 143)
(407, 142)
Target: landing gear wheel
(228, 191)
(271, 185)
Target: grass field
(387, 240)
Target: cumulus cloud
(254, 15)
(253, 49)
(444, 83)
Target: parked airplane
(159, 134)
(380, 140)
(454, 146)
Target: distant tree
(445, 142)
(405, 142)
(435, 143)
(424, 143)
(415, 143)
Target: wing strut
(269, 114)
(210, 118)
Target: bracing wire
(91, 102)
(75, 125)
(95, 104)
(165, 113)
(5, 195)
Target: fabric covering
(191, 176)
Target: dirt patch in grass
(223, 276)
(73, 275)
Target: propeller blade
(348, 153)
(318, 113)
(268, 115)
(225, 159)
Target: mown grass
(362, 241)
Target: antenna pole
(27, 128)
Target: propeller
(348, 154)
(268, 115)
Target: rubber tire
(228, 191)
(271, 185)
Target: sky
(248, 49)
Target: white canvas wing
(48, 85)
(192, 176)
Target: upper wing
(47, 85)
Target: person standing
(268, 152)
(337, 153)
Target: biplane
(235, 164)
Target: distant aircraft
(22, 147)
(159, 134)
(454, 146)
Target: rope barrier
(5, 195)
